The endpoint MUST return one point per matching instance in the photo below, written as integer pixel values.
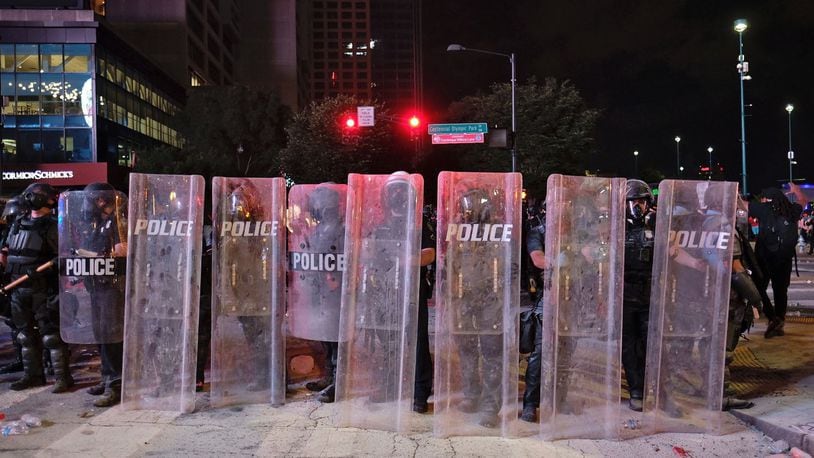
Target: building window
(27, 58)
(51, 58)
(77, 59)
(6, 58)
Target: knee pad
(24, 339)
(52, 341)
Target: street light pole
(743, 69)
(789, 109)
(636, 164)
(512, 60)
(709, 150)
(678, 155)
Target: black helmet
(396, 194)
(637, 190)
(15, 207)
(98, 196)
(39, 195)
(323, 203)
(243, 203)
(476, 207)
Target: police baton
(25, 277)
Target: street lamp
(743, 74)
(681, 171)
(678, 155)
(789, 109)
(709, 150)
(456, 47)
(636, 163)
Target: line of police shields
(377, 333)
(581, 367)
(477, 304)
(92, 263)
(163, 289)
(248, 291)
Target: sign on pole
(459, 128)
(453, 139)
(365, 115)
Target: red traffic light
(414, 121)
(350, 123)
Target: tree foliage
(231, 131)
(321, 148)
(555, 130)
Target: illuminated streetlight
(456, 47)
(678, 155)
(709, 150)
(789, 109)
(743, 74)
(636, 163)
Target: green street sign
(459, 128)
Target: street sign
(459, 128)
(453, 139)
(365, 116)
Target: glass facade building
(73, 91)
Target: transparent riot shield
(316, 260)
(248, 291)
(163, 288)
(477, 304)
(582, 311)
(688, 306)
(92, 262)
(377, 333)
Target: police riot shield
(582, 311)
(689, 301)
(92, 262)
(316, 260)
(248, 291)
(477, 304)
(163, 288)
(377, 333)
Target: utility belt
(20, 269)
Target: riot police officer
(15, 208)
(32, 242)
(638, 272)
(102, 238)
(535, 245)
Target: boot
(320, 384)
(772, 329)
(488, 419)
(468, 405)
(59, 358)
(731, 402)
(32, 365)
(328, 395)
(112, 397)
(17, 364)
(97, 389)
(529, 414)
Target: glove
(743, 285)
(33, 274)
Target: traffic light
(415, 122)
(349, 129)
(350, 122)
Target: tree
(555, 130)
(322, 148)
(231, 131)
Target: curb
(794, 438)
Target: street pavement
(776, 374)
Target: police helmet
(637, 190)
(243, 203)
(323, 203)
(476, 206)
(15, 207)
(39, 195)
(396, 194)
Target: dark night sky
(656, 68)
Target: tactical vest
(638, 262)
(27, 243)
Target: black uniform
(423, 362)
(32, 242)
(636, 302)
(106, 299)
(535, 241)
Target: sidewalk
(778, 376)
